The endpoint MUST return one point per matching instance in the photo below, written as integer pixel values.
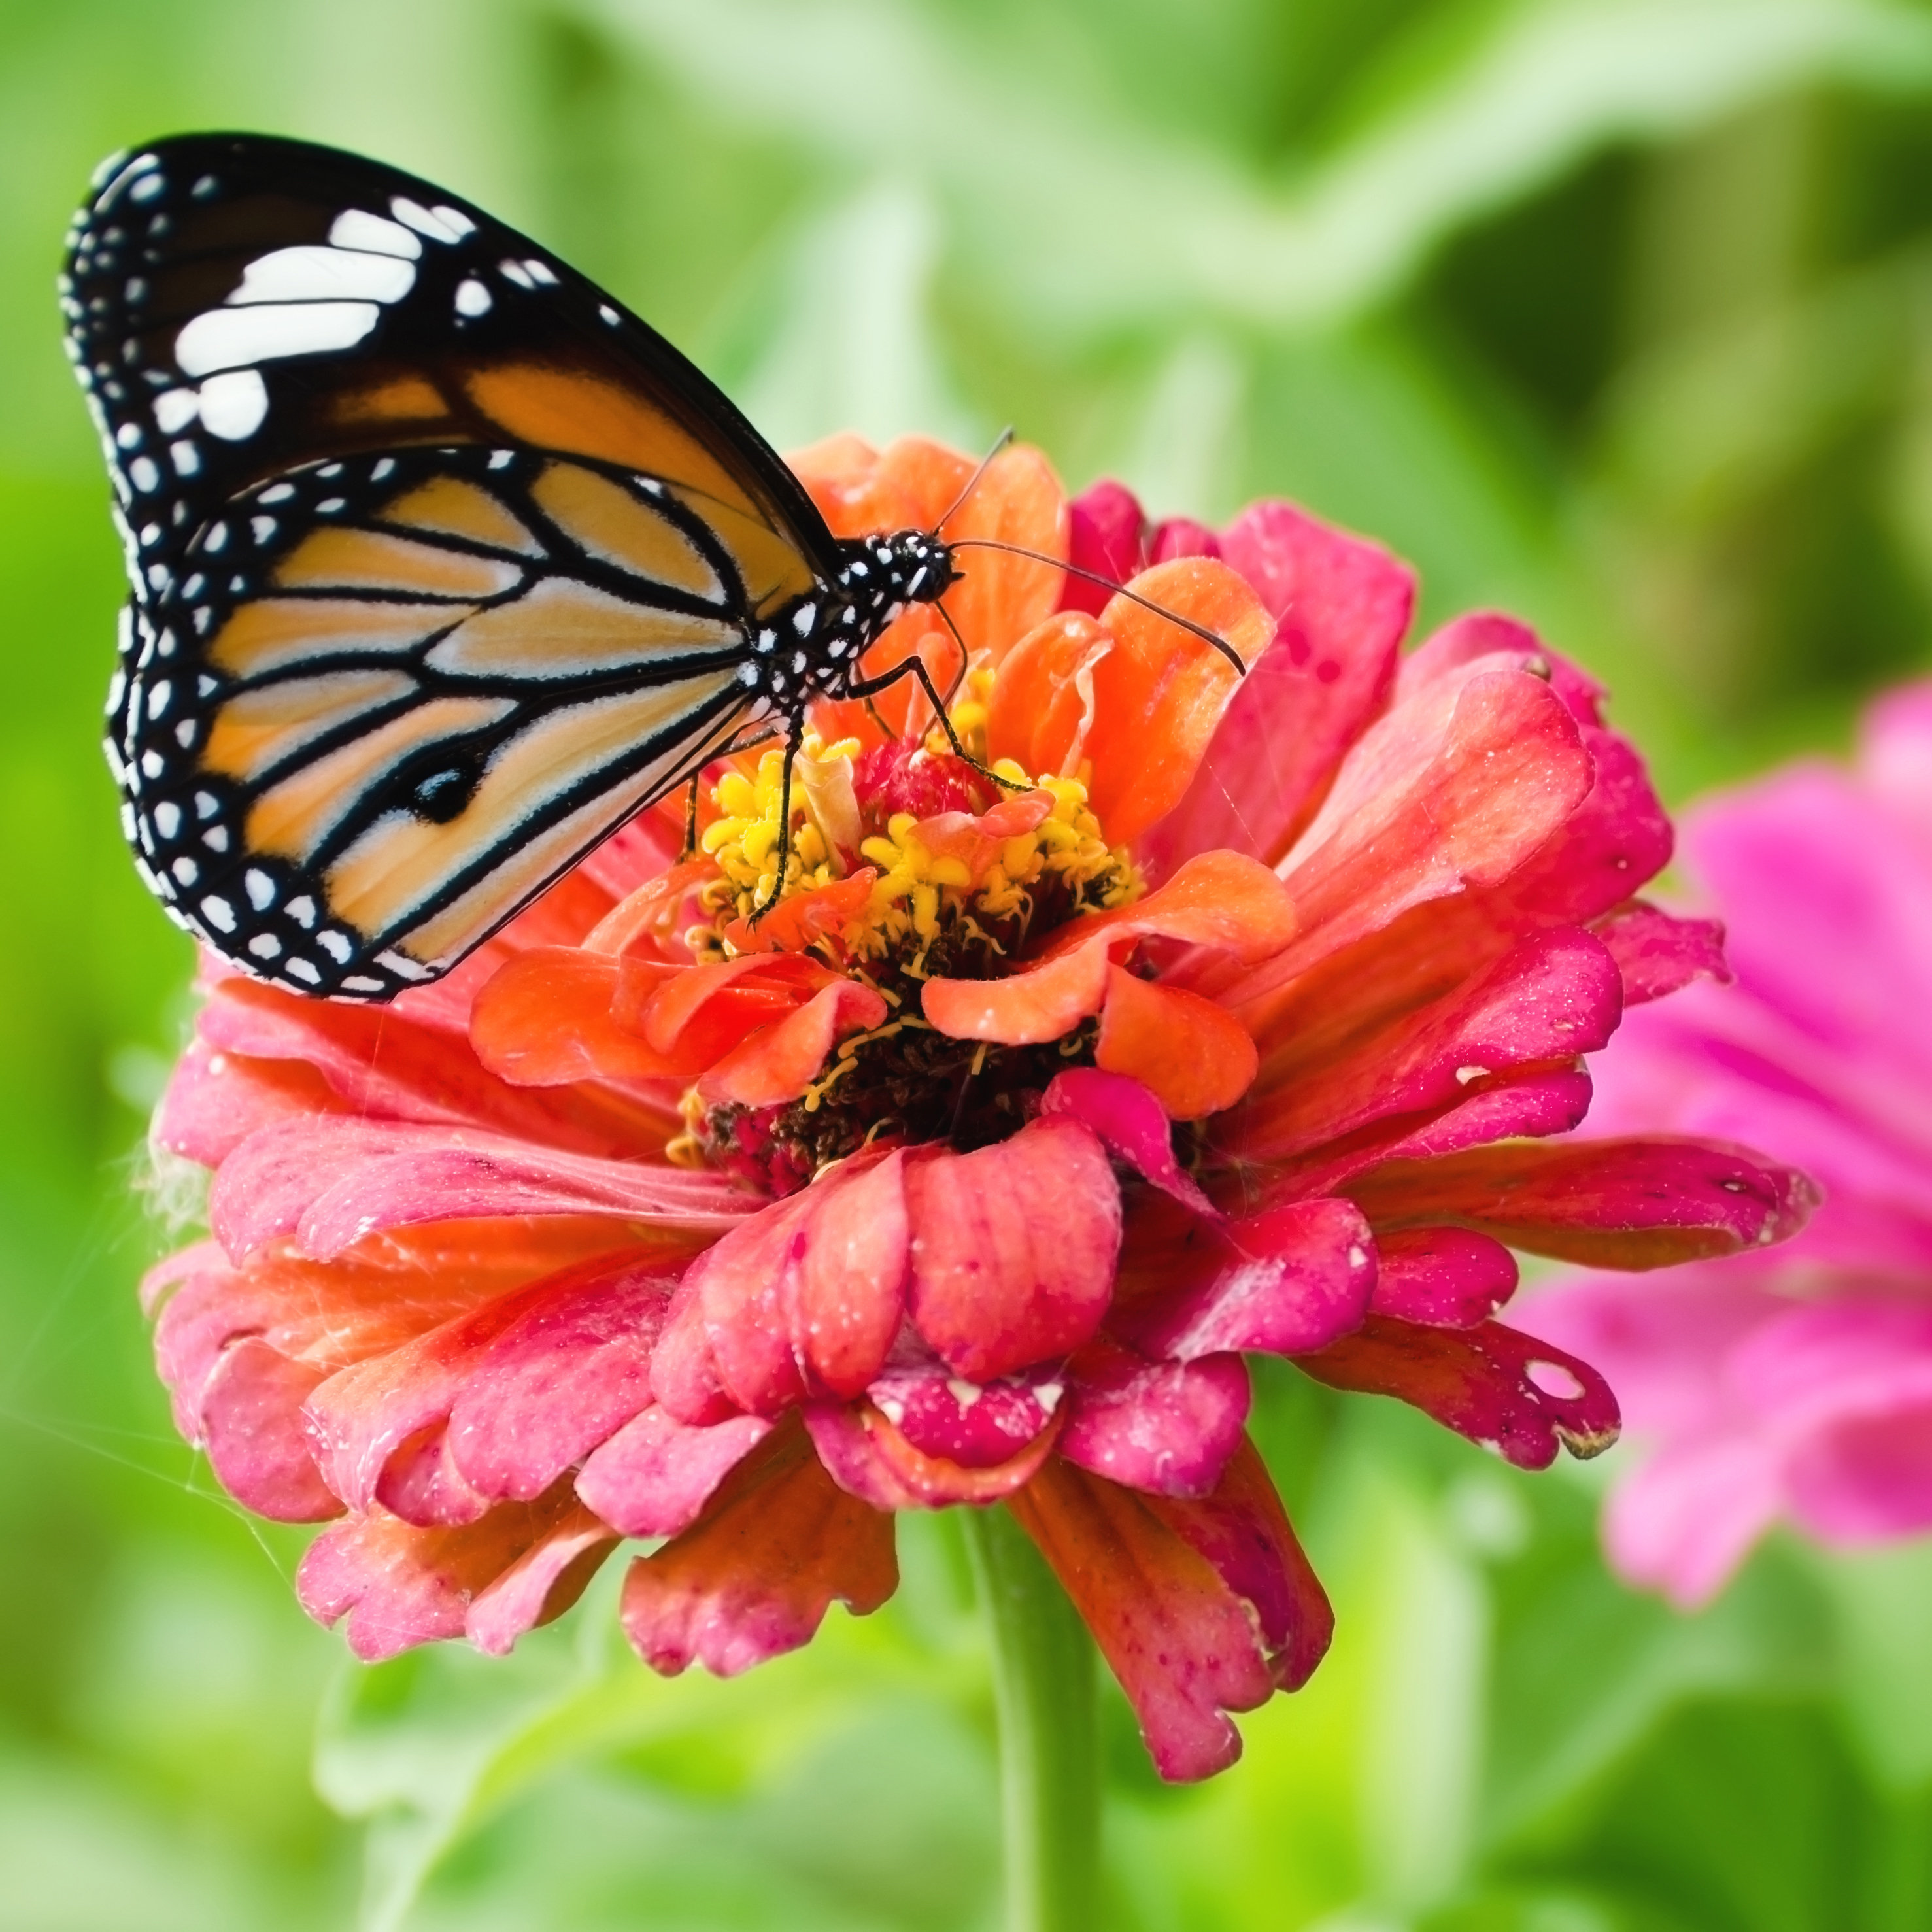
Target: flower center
(905, 864)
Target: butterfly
(443, 563)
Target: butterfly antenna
(1005, 437)
(1201, 630)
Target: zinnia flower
(1236, 1018)
(1796, 1385)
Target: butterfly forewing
(443, 563)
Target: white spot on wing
(319, 275)
(356, 228)
(234, 405)
(232, 338)
(472, 297)
(445, 225)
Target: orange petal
(544, 1020)
(646, 915)
(1196, 1058)
(841, 474)
(761, 984)
(1219, 899)
(1042, 703)
(794, 924)
(1026, 1010)
(1000, 598)
(777, 1062)
(1156, 696)
(1159, 694)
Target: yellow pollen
(919, 896)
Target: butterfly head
(881, 575)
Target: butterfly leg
(794, 739)
(914, 667)
(690, 851)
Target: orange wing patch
(273, 633)
(452, 507)
(548, 408)
(562, 628)
(256, 730)
(774, 570)
(291, 819)
(401, 859)
(611, 524)
(354, 559)
(409, 399)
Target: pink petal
(1456, 788)
(804, 1298)
(1867, 1479)
(1556, 995)
(1341, 606)
(1507, 1390)
(1688, 1517)
(1442, 1277)
(1630, 1203)
(1181, 536)
(249, 1415)
(1183, 1644)
(572, 1368)
(868, 1457)
(1531, 1106)
(1131, 1124)
(387, 1066)
(685, 1375)
(779, 1061)
(1895, 753)
(1665, 1341)
(1244, 1534)
(654, 1477)
(1013, 1248)
(1657, 953)
(602, 1320)
(977, 1425)
(421, 1483)
(1621, 835)
(540, 1585)
(400, 1586)
(780, 1543)
(215, 1100)
(1104, 527)
(328, 1182)
(1166, 1427)
(1281, 1283)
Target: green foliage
(1608, 310)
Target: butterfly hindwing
(387, 700)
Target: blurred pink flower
(975, 1168)
(1795, 1386)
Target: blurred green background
(1617, 313)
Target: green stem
(1049, 1757)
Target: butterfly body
(442, 564)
